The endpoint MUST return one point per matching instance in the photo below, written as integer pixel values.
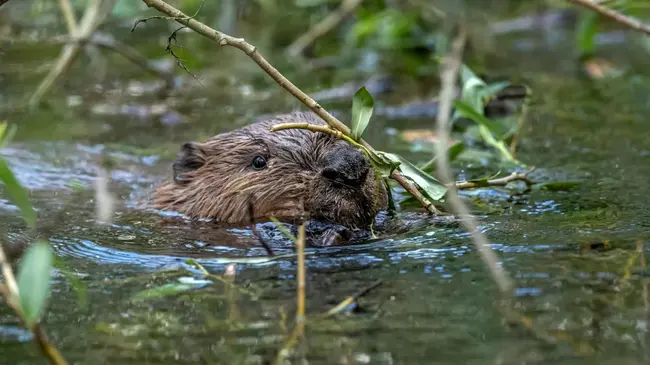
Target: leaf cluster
(475, 95)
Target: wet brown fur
(216, 179)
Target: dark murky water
(436, 304)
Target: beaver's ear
(191, 158)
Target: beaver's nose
(346, 166)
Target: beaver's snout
(345, 166)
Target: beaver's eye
(259, 162)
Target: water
(575, 256)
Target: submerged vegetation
(460, 121)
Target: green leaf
(469, 112)
(34, 280)
(362, 104)
(431, 187)
(490, 91)
(17, 194)
(381, 163)
(499, 145)
(586, 34)
(7, 133)
(470, 80)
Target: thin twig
(10, 280)
(325, 26)
(301, 319)
(502, 181)
(614, 15)
(300, 311)
(12, 298)
(88, 24)
(309, 127)
(251, 51)
(107, 41)
(351, 299)
(644, 293)
(224, 280)
(170, 49)
(449, 73)
(68, 14)
(231, 294)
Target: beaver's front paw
(330, 237)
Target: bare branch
(12, 298)
(351, 299)
(449, 74)
(503, 181)
(170, 49)
(68, 14)
(325, 26)
(614, 15)
(89, 23)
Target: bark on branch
(448, 75)
(614, 15)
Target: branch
(322, 28)
(449, 73)
(351, 299)
(301, 319)
(68, 14)
(12, 298)
(614, 15)
(88, 24)
(106, 41)
(225, 40)
(503, 181)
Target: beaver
(252, 173)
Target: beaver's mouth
(342, 204)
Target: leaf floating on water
(427, 183)
(17, 193)
(362, 105)
(34, 280)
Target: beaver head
(284, 174)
